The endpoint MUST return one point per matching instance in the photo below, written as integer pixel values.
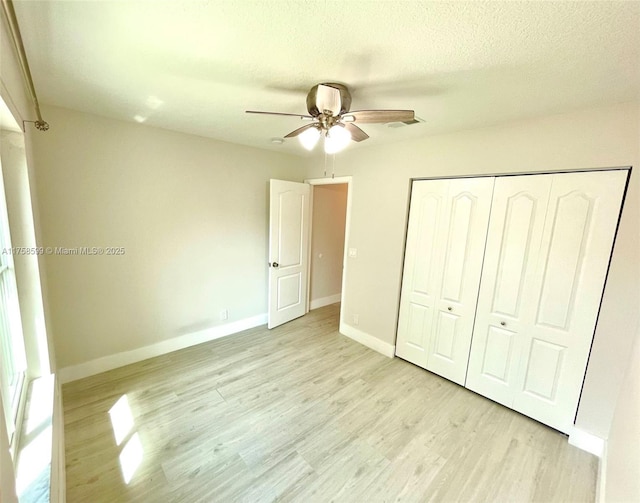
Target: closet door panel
(446, 329)
(417, 326)
(506, 302)
(460, 241)
(519, 224)
(572, 224)
(466, 231)
(423, 259)
(543, 369)
(568, 283)
(498, 354)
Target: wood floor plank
(301, 413)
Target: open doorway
(327, 257)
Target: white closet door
(506, 301)
(423, 259)
(445, 245)
(532, 355)
(569, 280)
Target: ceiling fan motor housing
(316, 107)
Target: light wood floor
(302, 413)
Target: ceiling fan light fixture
(309, 138)
(337, 139)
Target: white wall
(622, 463)
(190, 213)
(327, 240)
(602, 137)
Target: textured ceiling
(195, 66)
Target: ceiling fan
(328, 105)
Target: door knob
(275, 264)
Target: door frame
(340, 180)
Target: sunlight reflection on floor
(124, 426)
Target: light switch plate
(353, 252)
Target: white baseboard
(368, 340)
(587, 442)
(602, 476)
(86, 369)
(325, 301)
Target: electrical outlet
(356, 319)
(224, 314)
(353, 252)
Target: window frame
(12, 372)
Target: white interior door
(541, 291)
(445, 245)
(289, 220)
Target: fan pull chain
(325, 164)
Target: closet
(502, 284)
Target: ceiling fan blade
(379, 116)
(302, 116)
(301, 130)
(357, 134)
